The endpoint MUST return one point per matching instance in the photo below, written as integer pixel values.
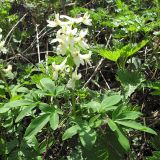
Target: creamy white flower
(76, 58)
(71, 83)
(78, 20)
(2, 48)
(57, 22)
(8, 69)
(80, 40)
(56, 68)
(72, 20)
(85, 58)
(63, 44)
(83, 33)
(71, 32)
(61, 49)
(54, 23)
(86, 19)
(82, 44)
(51, 23)
(81, 58)
(76, 76)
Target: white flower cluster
(2, 43)
(71, 42)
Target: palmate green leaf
(48, 85)
(132, 115)
(44, 107)
(156, 93)
(112, 125)
(137, 126)
(106, 105)
(154, 85)
(36, 125)
(129, 80)
(88, 137)
(16, 103)
(118, 111)
(3, 109)
(136, 48)
(121, 137)
(93, 105)
(124, 52)
(24, 112)
(155, 156)
(54, 120)
(123, 112)
(70, 132)
(109, 102)
(46, 142)
(60, 90)
(111, 55)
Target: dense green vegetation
(79, 80)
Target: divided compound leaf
(70, 132)
(137, 126)
(36, 125)
(54, 120)
(121, 137)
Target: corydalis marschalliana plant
(71, 42)
(2, 43)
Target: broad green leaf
(24, 112)
(3, 109)
(93, 119)
(88, 137)
(121, 137)
(36, 125)
(70, 132)
(48, 85)
(44, 107)
(155, 156)
(46, 144)
(156, 92)
(60, 90)
(93, 105)
(118, 111)
(136, 48)
(19, 103)
(130, 81)
(137, 126)
(132, 115)
(153, 85)
(54, 120)
(125, 51)
(109, 101)
(111, 55)
(112, 125)
(32, 142)
(16, 103)
(23, 90)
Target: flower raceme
(71, 42)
